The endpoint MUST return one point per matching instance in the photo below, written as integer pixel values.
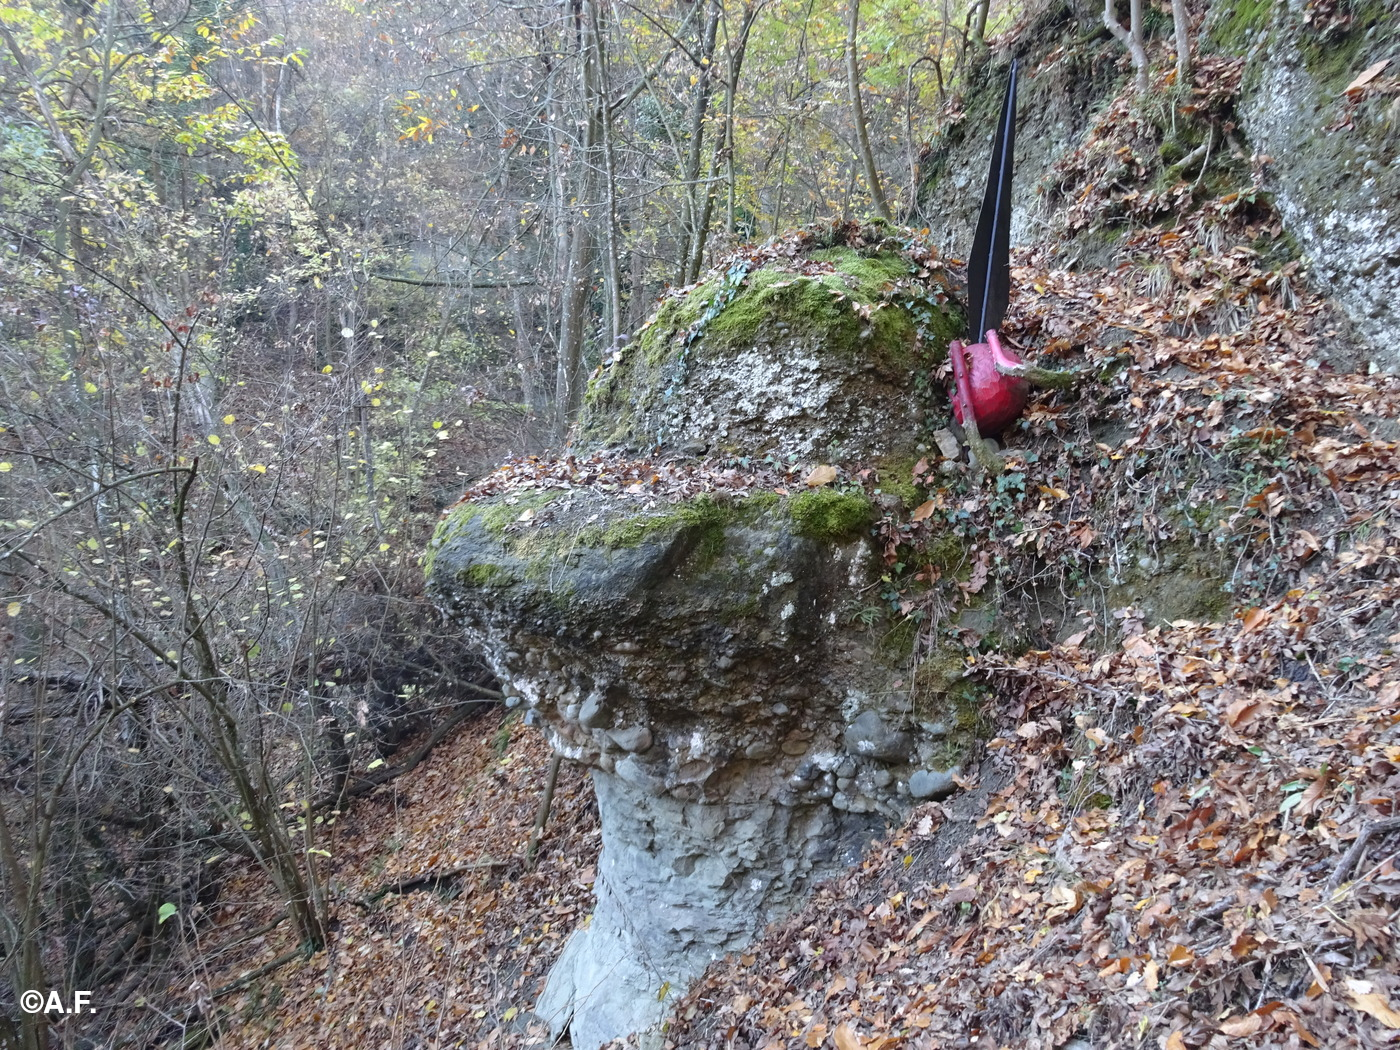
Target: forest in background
(276, 283)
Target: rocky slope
(1292, 103)
(690, 628)
(1183, 830)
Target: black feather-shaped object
(989, 266)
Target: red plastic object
(996, 395)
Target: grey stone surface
(595, 712)
(1338, 190)
(728, 860)
(869, 736)
(633, 738)
(933, 783)
(718, 811)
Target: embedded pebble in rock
(933, 783)
(634, 738)
(870, 737)
(595, 713)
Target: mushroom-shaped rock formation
(692, 630)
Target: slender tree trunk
(872, 174)
(25, 965)
(782, 184)
(1181, 21)
(525, 362)
(542, 814)
(578, 279)
(693, 194)
(979, 22)
(1131, 38)
(723, 152)
(612, 257)
(568, 393)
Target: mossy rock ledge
(816, 361)
(747, 734)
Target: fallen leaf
(1366, 76)
(846, 1038)
(822, 475)
(1366, 999)
(1180, 955)
(1239, 1027)
(923, 511)
(1255, 618)
(1175, 1041)
(1140, 647)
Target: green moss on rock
(705, 517)
(483, 574)
(896, 477)
(1336, 55)
(1232, 26)
(861, 312)
(827, 515)
(940, 671)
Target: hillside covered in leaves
(1180, 834)
(279, 286)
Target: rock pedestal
(708, 657)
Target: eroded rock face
(1334, 163)
(747, 734)
(815, 361)
(1330, 161)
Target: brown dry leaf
(979, 574)
(1245, 710)
(846, 1038)
(1239, 1027)
(924, 510)
(1149, 975)
(1366, 76)
(1140, 647)
(819, 476)
(1255, 618)
(816, 1035)
(1180, 955)
(1176, 1041)
(1365, 998)
(1067, 902)
(1313, 797)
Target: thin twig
(1353, 855)
(429, 880)
(261, 971)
